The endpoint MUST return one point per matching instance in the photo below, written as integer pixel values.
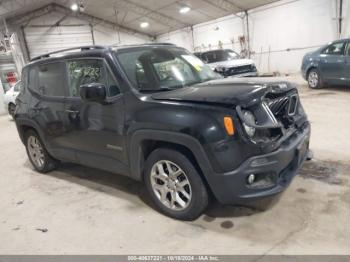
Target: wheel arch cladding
(144, 142)
(23, 126)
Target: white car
(228, 63)
(10, 98)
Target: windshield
(163, 68)
(219, 56)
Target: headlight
(220, 69)
(250, 118)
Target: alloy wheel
(171, 185)
(36, 152)
(313, 79)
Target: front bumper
(275, 171)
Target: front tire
(314, 79)
(37, 154)
(174, 184)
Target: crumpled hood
(231, 63)
(229, 91)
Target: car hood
(232, 63)
(243, 92)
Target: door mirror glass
(94, 92)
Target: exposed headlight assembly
(249, 118)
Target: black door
(96, 131)
(48, 87)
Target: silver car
(10, 98)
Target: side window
(88, 71)
(51, 79)
(334, 49)
(33, 79)
(347, 49)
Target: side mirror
(94, 92)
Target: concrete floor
(87, 211)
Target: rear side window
(33, 79)
(88, 71)
(52, 79)
(48, 79)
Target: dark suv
(159, 115)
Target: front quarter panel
(201, 123)
(310, 61)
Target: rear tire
(314, 79)
(174, 184)
(37, 153)
(11, 109)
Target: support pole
(192, 35)
(340, 17)
(92, 34)
(6, 29)
(25, 49)
(247, 28)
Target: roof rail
(145, 44)
(81, 48)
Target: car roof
(340, 40)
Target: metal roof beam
(23, 20)
(152, 14)
(92, 19)
(7, 7)
(225, 5)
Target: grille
(284, 107)
(278, 105)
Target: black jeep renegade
(157, 114)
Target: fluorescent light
(184, 9)
(144, 24)
(74, 7)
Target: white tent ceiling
(162, 15)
